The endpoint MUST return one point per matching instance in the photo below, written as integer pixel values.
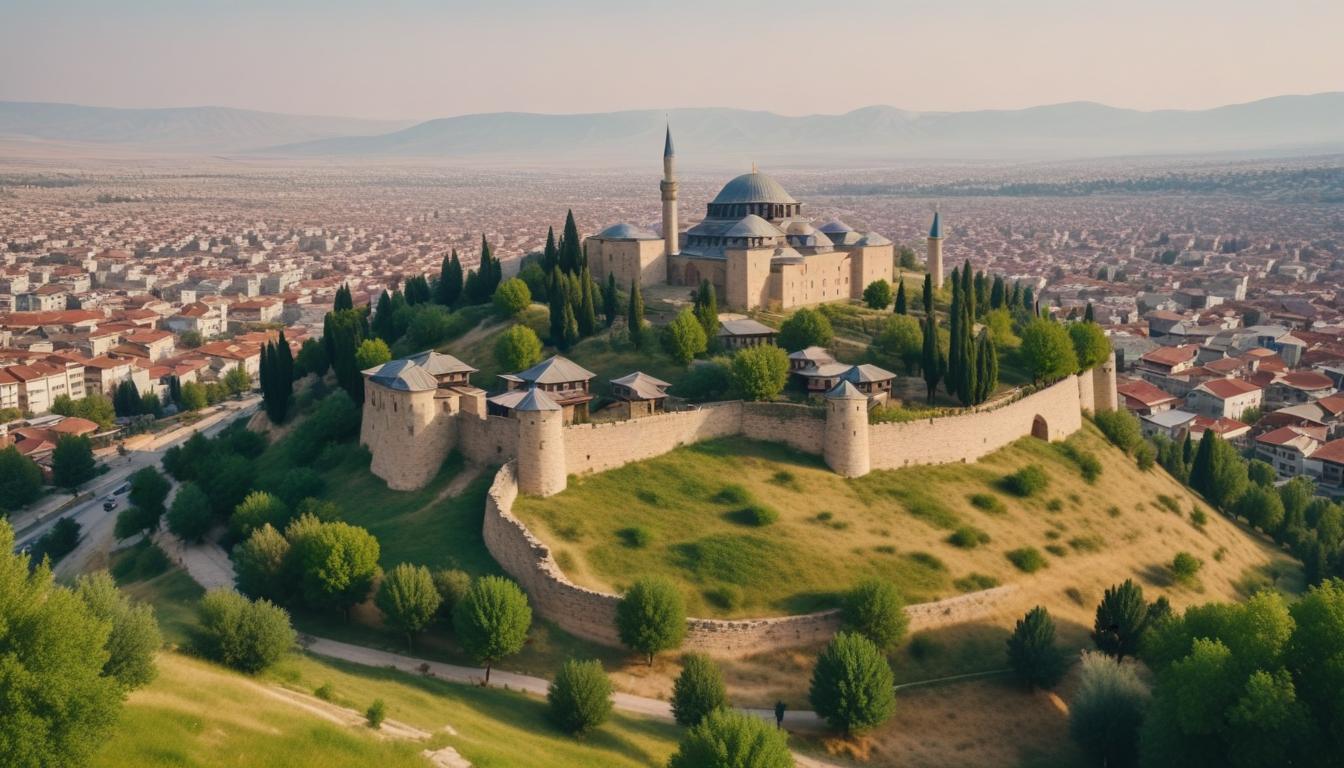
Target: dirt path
(459, 483)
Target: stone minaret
(671, 230)
(934, 261)
(846, 438)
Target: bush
(1032, 654)
(511, 297)
(732, 494)
(579, 698)
(518, 348)
(452, 585)
(245, 635)
(325, 692)
(1145, 455)
(376, 714)
(730, 739)
(1048, 351)
(852, 684)
(684, 337)
(59, 541)
(877, 294)
(408, 599)
(1027, 559)
(875, 609)
(1120, 427)
(974, 582)
(988, 502)
(757, 515)
(698, 690)
(1026, 481)
(968, 537)
(705, 380)
(636, 536)
(1089, 465)
(1106, 712)
(724, 596)
(1090, 344)
(760, 372)
(651, 617)
(1185, 566)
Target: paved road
(95, 524)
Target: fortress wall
(591, 614)
(1087, 391)
(408, 436)
(598, 447)
(970, 436)
(489, 440)
(797, 426)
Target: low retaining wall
(591, 615)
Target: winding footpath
(209, 566)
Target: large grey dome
(753, 188)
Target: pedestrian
(779, 714)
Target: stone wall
(797, 426)
(489, 440)
(598, 447)
(591, 614)
(970, 436)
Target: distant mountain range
(1283, 124)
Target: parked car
(109, 505)
(123, 488)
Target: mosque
(754, 245)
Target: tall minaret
(671, 231)
(934, 261)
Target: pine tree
(955, 314)
(450, 281)
(634, 316)
(968, 293)
(344, 299)
(932, 360)
(900, 296)
(571, 333)
(967, 366)
(382, 318)
(610, 300)
(981, 293)
(987, 368)
(707, 309)
(928, 294)
(587, 314)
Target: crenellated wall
(591, 614)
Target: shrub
(804, 328)
(651, 617)
(968, 537)
(758, 515)
(974, 582)
(1090, 344)
(988, 502)
(852, 684)
(1185, 566)
(1145, 455)
(785, 479)
(1054, 505)
(1058, 550)
(877, 294)
(511, 297)
(408, 599)
(260, 565)
(874, 609)
(1106, 712)
(732, 494)
(1089, 465)
(376, 714)
(1026, 481)
(452, 585)
(579, 698)
(1048, 351)
(698, 690)
(1032, 654)
(249, 636)
(730, 739)
(325, 692)
(684, 337)
(636, 536)
(1120, 427)
(1027, 559)
(760, 372)
(1092, 543)
(705, 380)
(134, 640)
(1199, 517)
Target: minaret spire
(668, 186)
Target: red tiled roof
(1226, 388)
(1284, 435)
(1309, 380)
(1145, 393)
(1332, 452)
(1172, 355)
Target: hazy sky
(417, 59)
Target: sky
(419, 59)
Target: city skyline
(413, 61)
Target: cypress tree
(1202, 470)
(264, 376)
(932, 360)
(967, 366)
(968, 293)
(981, 293)
(382, 318)
(1015, 299)
(986, 367)
(996, 293)
(550, 256)
(955, 314)
(587, 314)
(569, 246)
(900, 296)
(634, 316)
(1028, 301)
(928, 294)
(571, 333)
(450, 281)
(707, 309)
(286, 356)
(610, 300)
(1187, 451)
(1089, 316)
(559, 298)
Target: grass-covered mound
(751, 529)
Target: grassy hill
(935, 531)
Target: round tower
(671, 228)
(934, 260)
(541, 444)
(1105, 397)
(846, 446)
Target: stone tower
(407, 427)
(934, 260)
(541, 444)
(846, 446)
(671, 229)
(1105, 397)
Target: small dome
(786, 256)
(753, 188)
(626, 231)
(872, 238)
(800, 227)
(836, 227)
(753, 226)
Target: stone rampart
(598, 447)
(798, 426)
(970, 436)
(591, 614)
